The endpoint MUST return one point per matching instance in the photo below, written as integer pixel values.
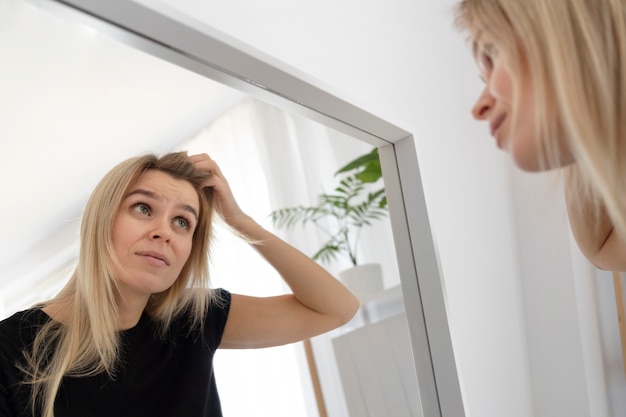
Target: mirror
(83, 93)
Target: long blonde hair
(87, 342)
(575, 51)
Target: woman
(134, 331)
(555, 97)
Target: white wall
(513, 302)
(560, 302)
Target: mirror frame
(170, 35)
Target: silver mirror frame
(176, 38)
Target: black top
(156, 377)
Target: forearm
(310, 283)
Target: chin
(529, 165)
(536, 163)
(527, 158)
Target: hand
(227, 206)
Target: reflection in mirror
(75, 103)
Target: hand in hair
(227, 206)
(318, 302)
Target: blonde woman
(555, 97)
(134, 331)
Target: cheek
(121, 233)
(526, 144)
(184, 251)
(501, 84)
(117, 238)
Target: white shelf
(375, 308)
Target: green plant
(354, 204)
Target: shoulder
(23, 324)
(217, 304)
(17, 333)
(220, 303)
(208, 325)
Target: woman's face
(512, 124)
(152, 233)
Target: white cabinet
(375, 361)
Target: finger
(204, 165)
(199, 157)
(209, 166)
(202, 160)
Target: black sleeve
(216, 318)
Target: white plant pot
(363, 280)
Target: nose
(483, 105)
(161, 230)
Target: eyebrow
(155, 196)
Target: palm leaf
(351, 206)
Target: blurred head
(555, 89)
(507, 104)
(547, 70)
(99, 255)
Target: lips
(157, 257)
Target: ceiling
(73, 103)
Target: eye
(489, 53)
(485, 59)
(141, 208)
(182, 223)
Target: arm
(595, 234)
(318, 303)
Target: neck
(130, 311)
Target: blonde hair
(87, 342)
(575, 51)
